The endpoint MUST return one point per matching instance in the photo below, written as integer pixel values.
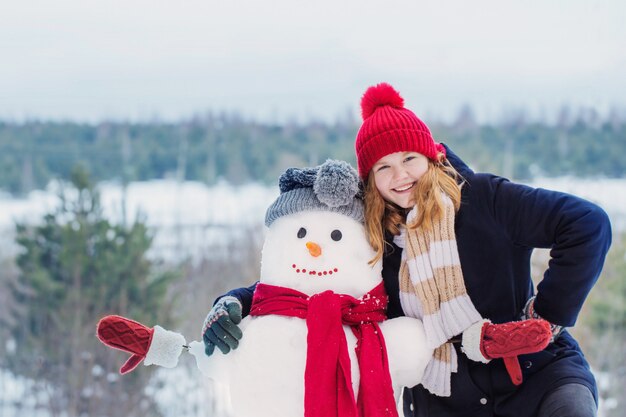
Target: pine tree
(78, 267)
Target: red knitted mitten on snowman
(484, 341)
(126, 335)
(151, 345)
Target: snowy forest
(205, 148)
(72, 265)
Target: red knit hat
(388, 127)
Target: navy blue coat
(497, 227)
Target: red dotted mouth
(313, 272)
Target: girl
(415, 188)
(456, 249)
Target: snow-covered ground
(188, 216)
(164, 202)
(185, 217)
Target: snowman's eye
(336, 235)
(301, 233)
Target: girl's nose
(314, 249)
(399, 173)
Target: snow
(183, 392)
(169, 203)
(188, 216)
(287, 261)
(185, 216)
(17, 397)
(163, 202)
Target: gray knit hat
(332, 186)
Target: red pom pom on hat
(377, 96)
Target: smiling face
(315, 251)
(397, 174)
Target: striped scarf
(432, 289)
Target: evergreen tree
(78, 267)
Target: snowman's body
(311, 252)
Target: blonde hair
(381, 215)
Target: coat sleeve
(244, 295)
(577, 231)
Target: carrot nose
(314, 249)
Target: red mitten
(515, 338)
(484, 341)
(126, 335)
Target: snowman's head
(316, 239)
(315, 251)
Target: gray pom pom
(297, 178)
(336, 184)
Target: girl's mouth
(403, 188)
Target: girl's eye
(380, 168)
(409, 158)
(336, 235)
(301, 233)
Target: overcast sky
(273, 60)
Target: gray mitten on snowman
(221, 328)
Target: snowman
(315, 343)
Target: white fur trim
(472, 337)
(165, 348)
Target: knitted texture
(507, 340)
(332, 186)
(126, 335)
(336, 184)
(484, 341)
(432, 289)
(515, 338)
(529, 312)
(220, 309)
(221, 328)
(327, 381)
(389, 127)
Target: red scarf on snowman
(327, 377)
